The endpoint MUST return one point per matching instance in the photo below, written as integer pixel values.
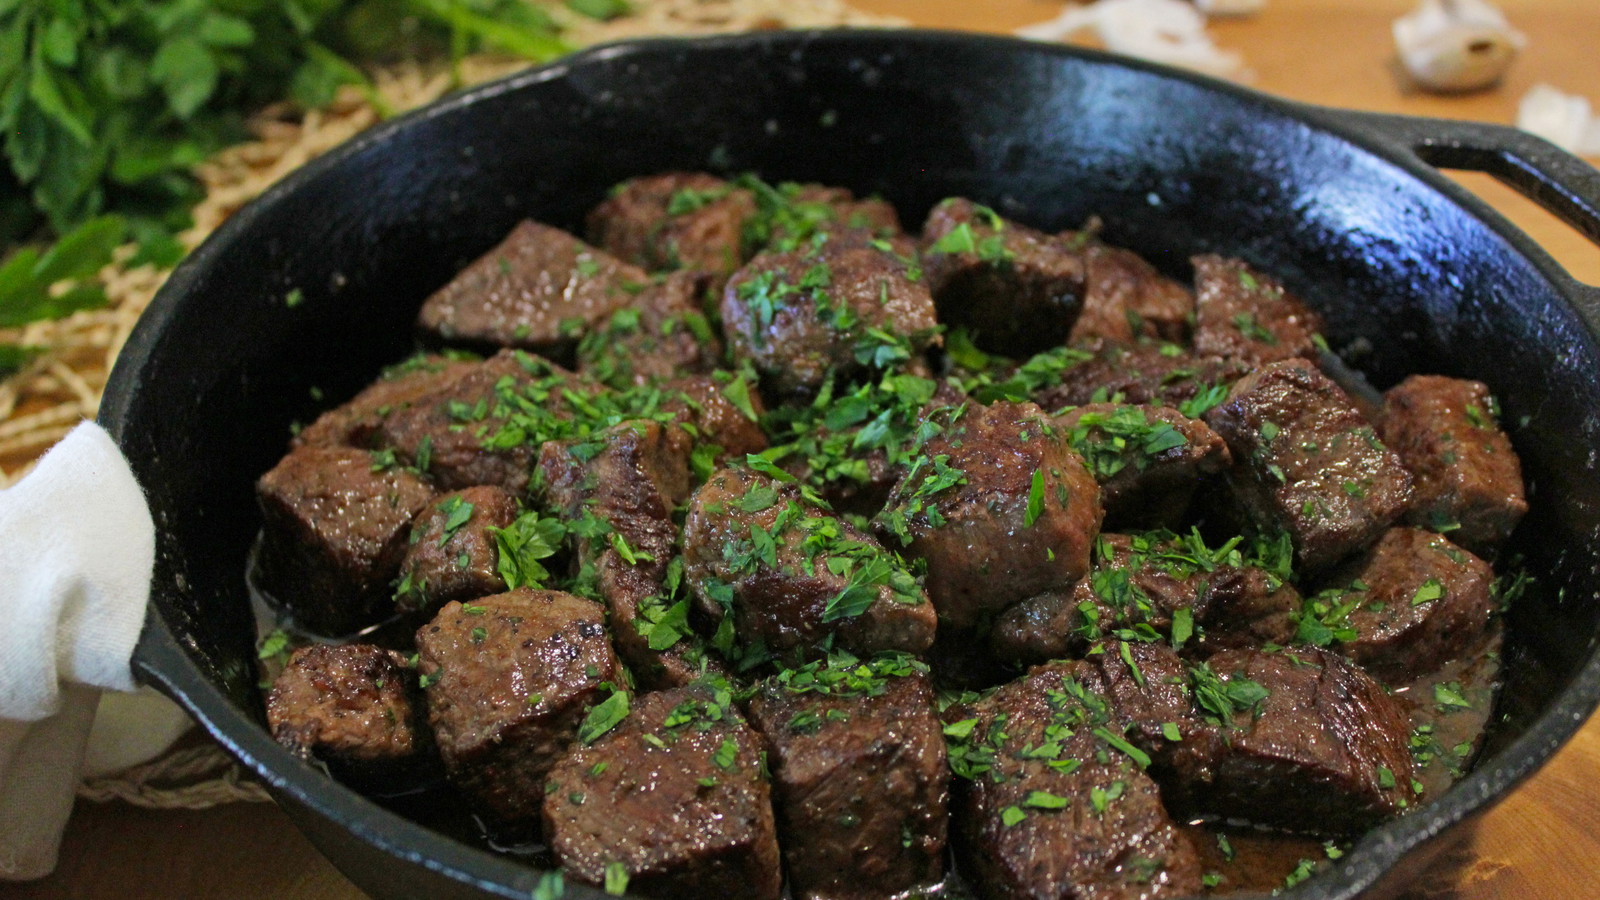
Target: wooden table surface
(1541, 843)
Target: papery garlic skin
(1456, 45)
(1230, 7)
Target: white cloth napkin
(76, 550)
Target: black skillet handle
(1563, 184)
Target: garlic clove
(1163, 31)
(1456, 45)
(1565, 120)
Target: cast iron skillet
(1412, 273)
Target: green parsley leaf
(603, 717)
(616, 878)
(1035, 499)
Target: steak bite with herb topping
(1145, 373)
(1052, 800)
(354, 422)
(998, 506)
(1468, 480)
(453, 553)
(1305, 741)
(860, 776)
(1411, 603)
(618, 490)
(723, 413)
(484, 427)
(1125, 299)
(669, 801)
(1152, 586)
(1244, 315)
(1147, 459)
(512, 680)
(840, 307)
(1308, 464)
(679, 220)
(1017, 290)
(354, 707)
(540, 289)
(662, 334)
(782, 575)
(334, 530)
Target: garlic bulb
(1456, 45)
(1562, 119)
(1164, 31)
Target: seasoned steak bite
(453, 553)
(999, 507)
(353, 423)
(334, 530)
(679, 220)
(663, 334)
(1466, 473)
(540, 289)
(509, 680)
(1017, 290)
(1245, 315)
(783, 574)
(1305, 742)
(1146, 373)
(1147, 459)
(1125, 299)
(673, 797)
(860, 776)
(1415, 601)
(1051, 800)
(722, 412)
(1308, 464)
(1141, 583)
(626, 480)
(841, 307)
(354, 707)
(485, 427)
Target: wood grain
(1541, 843)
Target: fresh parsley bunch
(106, 105)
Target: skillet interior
(1405, 269)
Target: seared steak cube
(1147, 459)
(485, 427)
(353, 423)
(1245, 315)
(1416, 602)
(540, 289)
(1017, 290)
(1125, 299)
(663, 334)
(673, 797)
(783, 574)
(510, 679)
(1051, 799)
(1305, 741)
(334, 529)
(841, 308)
(1466, 473)
(1308, 464)
(628, 479)
(1143, 582)
(723, 412)
(861, 781)
(453, 553)
(354, 707)
(998, 505)
(679, 220)
(1162, 374)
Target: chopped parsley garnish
(520, 545)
